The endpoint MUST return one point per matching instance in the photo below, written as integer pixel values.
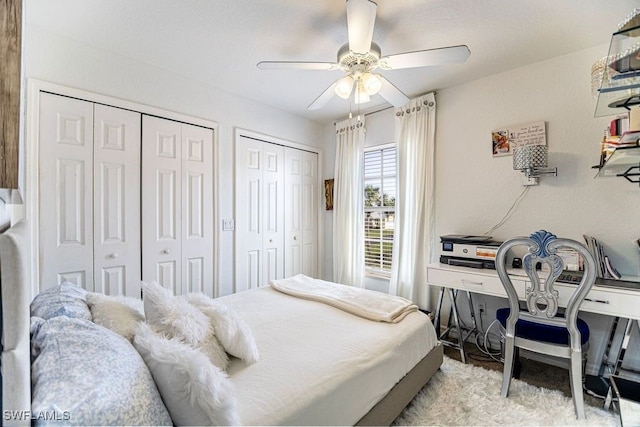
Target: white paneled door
(177, 205)
(301, 212)
(259, 213)
(116, 202)
(276, 212)
(88, 210)
(309, 213)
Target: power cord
(510, 211)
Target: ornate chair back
(541, 319)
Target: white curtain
(414, 224)
(348, 233)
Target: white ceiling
(219, 42)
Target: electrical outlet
(482, 308)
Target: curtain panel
(414, 226)
(348, 233)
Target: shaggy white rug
(467, 395)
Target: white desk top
(601, 299)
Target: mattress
(320, 365)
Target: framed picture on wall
(500, 143)
(328, 194)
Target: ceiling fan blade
(324, 97)
(361, 17)
(426, 58)
(391, 93)
(291, 65)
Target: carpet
(467, 395)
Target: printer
(469, 251)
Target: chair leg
(575, 377)
(509, 345)
(517, 364)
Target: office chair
(539, 327)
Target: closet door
(310, 207)
(65, 193)
(116, 201)
(249, 214)
(293, 212)
(177, 205)
(259, 213)
(301, 212)
(161, 202)
(273, 212)
(197, 209)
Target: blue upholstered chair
(539, 327)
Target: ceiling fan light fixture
(372, 84)
(361, 95)
(344, 87)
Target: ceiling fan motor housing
(358, 63)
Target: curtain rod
(373, 112)
(385, 108)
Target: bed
(318, 364)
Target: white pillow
(119, 313)
(231, 329)
(194, 391)
(175, 318)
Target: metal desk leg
(614, 366)
(455, 319)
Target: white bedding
(361, 302)
(320, 365)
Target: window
(379, 208)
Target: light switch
(228, 225)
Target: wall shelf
(620, 86)
(624, 162)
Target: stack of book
(604, 268)
(618, 135)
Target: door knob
(113, 255)
(295, 238)
(166, 251)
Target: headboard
(15, 294)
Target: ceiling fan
(360, 57)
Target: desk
(607, 300)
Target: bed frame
(15, 294)
(391, 405)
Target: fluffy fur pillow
(118, 313)
(194, 391)
(232, 331)
(175, 318)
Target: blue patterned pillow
(66, 299)
(84, 374)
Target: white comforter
(320, 365)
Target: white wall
(75, 64)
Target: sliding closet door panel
(249, 214)
(197, 209)
(293, 212)
(310, 206)
(65, 177)
(116, 200)
(161, 202)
